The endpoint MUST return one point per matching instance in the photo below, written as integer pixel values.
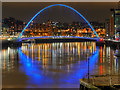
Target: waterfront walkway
(102, 81)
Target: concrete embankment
(10, 43)
(112, 43)
(101, 82)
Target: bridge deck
(58, 37)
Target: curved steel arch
(58, 5)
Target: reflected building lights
(78, 47)
(39, 52)
(1, 59)
(35, 50)
(101, 54)
(101, 67)
(36, 59)
(68, 68)
(32, 52)
(70, 52)
(4, 58)
(45, 54)
(115, 65)
(68, 48)
(12, 57)
(104, 54)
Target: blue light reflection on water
(36, 75)
(78, 74)
(32, 71)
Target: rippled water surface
(56, 64)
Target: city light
(58, 47)
(57, 5)
(101, 39)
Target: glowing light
(117, 39)
(71, 30)
(101, 39)
(57, 5)
(39, 52)
(101, 50)
(101, 70)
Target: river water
(56, 65)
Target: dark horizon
(92, 11)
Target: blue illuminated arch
(58, 5)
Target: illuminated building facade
(51, 28)
(11, 26)
(107, 27)
(115, 22)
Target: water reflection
(9, 58)
(107, 61)
(57, 64)
(58, 53)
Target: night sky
(96, 11)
